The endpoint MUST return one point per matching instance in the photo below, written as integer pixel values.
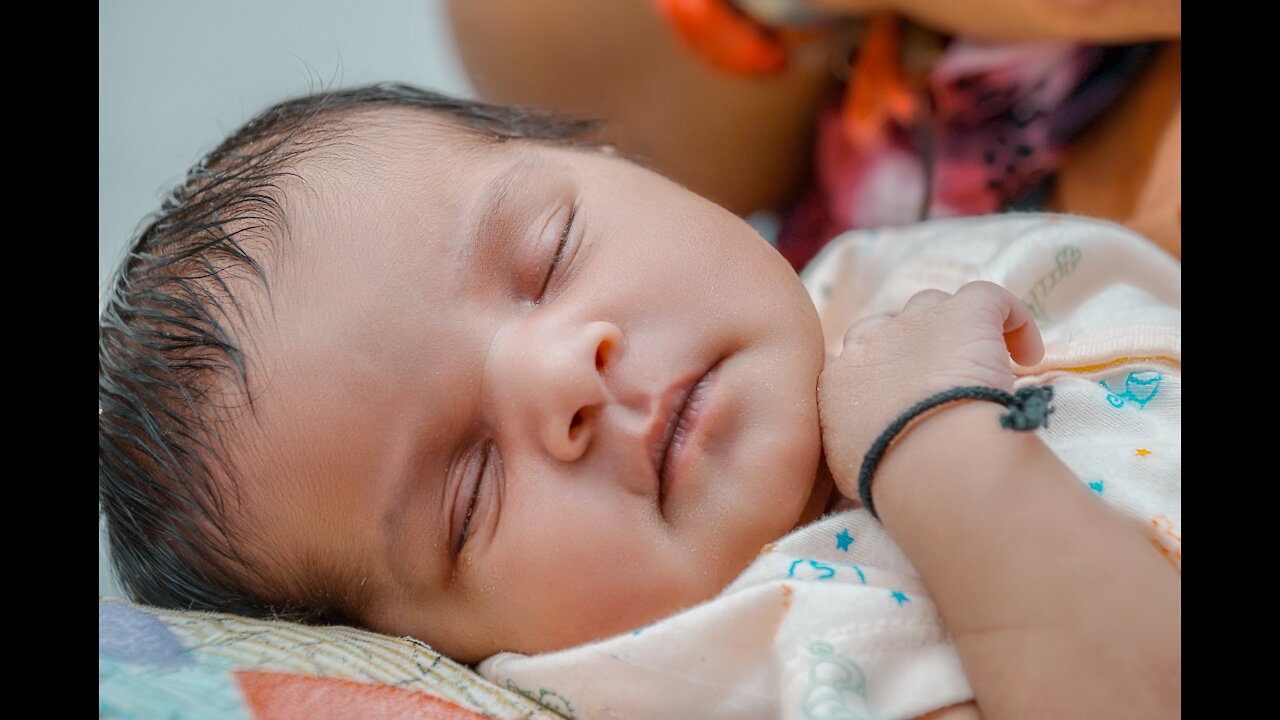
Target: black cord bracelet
(1029, 408)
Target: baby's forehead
(430, 163)
(378, 135)
(391, 168)
(390, 227)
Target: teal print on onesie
(836, 688)
(1139, 388)
(552, 701)
(807, 569)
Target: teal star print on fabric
(1096, 486)
(900, 596)
(844, 540)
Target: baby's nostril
(601, 352)
(579, 425)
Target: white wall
(174, 78)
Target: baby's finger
(866, 325)
(1021, 335)
(1024, 341)
(926, 299)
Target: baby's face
(527, 396)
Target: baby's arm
(1058, 605)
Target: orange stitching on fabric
(1120, 361)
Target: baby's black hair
(168, 358)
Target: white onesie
(832, 621)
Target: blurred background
(176, 78)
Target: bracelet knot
(1029, 408)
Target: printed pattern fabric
(193, 665)
(832, 621)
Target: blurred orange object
(725, 37)
(879, 91)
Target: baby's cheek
(573, 591)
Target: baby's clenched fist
(890, 362)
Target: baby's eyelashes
(466, 495)
(558, 257)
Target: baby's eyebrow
(482, 249)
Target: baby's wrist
(960, 443)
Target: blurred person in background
(842, 114)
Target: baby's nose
(570, 389)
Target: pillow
(155, 663)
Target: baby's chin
(821, 497)
(821, 486)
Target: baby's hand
(890, 362)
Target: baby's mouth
(677, 430)
(663, 445)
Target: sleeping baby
(448, 370)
